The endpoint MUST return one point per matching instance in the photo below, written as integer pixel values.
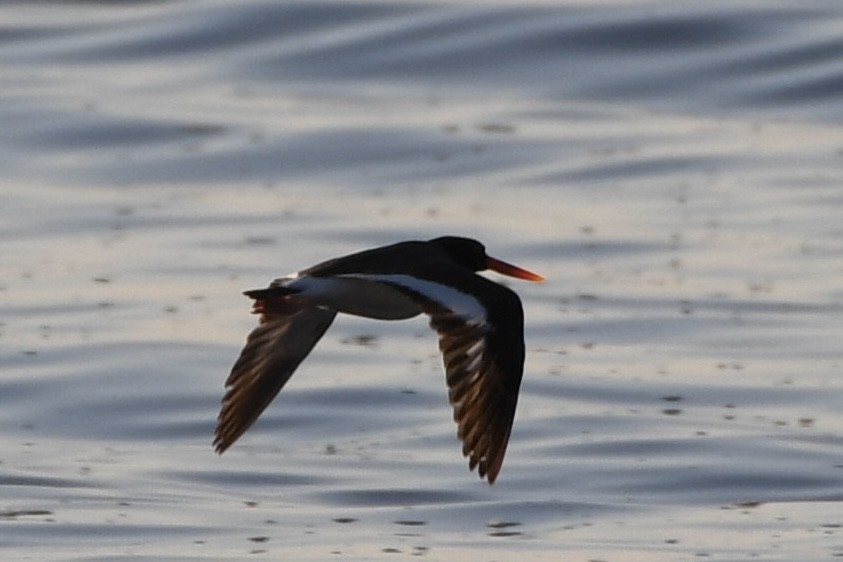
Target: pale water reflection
(673, 169)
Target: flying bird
(480, 325)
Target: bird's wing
(482, 388)
(482, 347)
(273, 351)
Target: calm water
(673, 168)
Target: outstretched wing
(273, 351)
(481, 336)
(483, 367)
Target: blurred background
(672, 167)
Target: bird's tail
(272, 301)
(269, 292)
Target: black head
(471, 255)
(467, 252)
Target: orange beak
(512, 270)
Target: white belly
(359, 297)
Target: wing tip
(488, 470)
(490, 477)
(221, 441)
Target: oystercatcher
(480, 326)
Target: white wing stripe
(462, 304)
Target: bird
(480, 325)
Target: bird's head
(471, 254)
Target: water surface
(673, 168)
